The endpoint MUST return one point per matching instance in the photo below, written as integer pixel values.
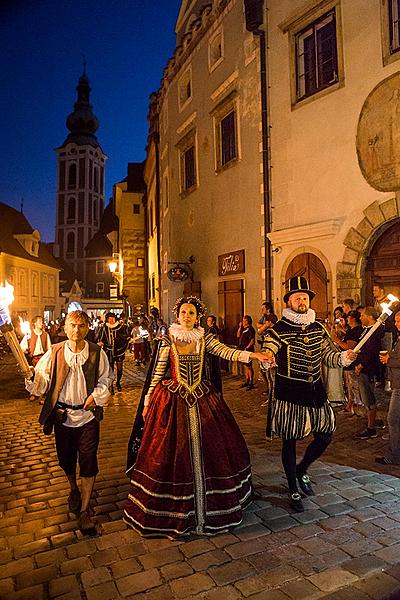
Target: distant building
(209, 193)
(80, 184)
(27, 264)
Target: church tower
(80, 183)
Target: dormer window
(30, 242)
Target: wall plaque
(231, 263)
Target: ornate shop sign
(231, 263)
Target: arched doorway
(383, 263)
(311, 267)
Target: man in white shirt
(74, 376)
(35, 344)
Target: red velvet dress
(192, 472)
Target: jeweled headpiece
(197, 303)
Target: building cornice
(303, 233)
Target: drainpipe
(254, 14)
(157, 210)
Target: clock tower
(80, 183)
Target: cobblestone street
(346, 545)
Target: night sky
(127, 44)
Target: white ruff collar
(186, 335)
(299, 318)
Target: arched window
(96, 179)
(71, 209)
(72, 176)
(71, 243)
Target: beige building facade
(27, 264)
(210, 165)
(334, 107)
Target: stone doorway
(310, 266)
(383, 263)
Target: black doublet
(300, 351)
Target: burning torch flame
(6, 298)
(25, 327)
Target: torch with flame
(386, 312)
(7, 329)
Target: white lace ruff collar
(299, 318)
(186, 335)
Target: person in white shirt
(35, 344)
(74, 376)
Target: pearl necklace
(186, 335)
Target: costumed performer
(192, 470)
(298, 345)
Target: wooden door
(230, 308)
(383, 264)
(310, 266)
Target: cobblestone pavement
(346, 545)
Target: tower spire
(82, 122)
(84, 64)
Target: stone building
(209, 156)
(28, 265)
(80, 183)
(334, 106)
(130, 244)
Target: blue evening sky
(127, 44)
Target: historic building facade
(334, 106)
(28, 265)
(210, 188)
(80, 183)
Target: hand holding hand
(101, 344)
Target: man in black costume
(113, 337)
(298, 345)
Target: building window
(316, 56)
(166, 193)
(72, 176)
(136, 209)
(390, 25)
(189, 168)
(188, 162)
(100, 287)
(140, 262)
(394, 19)
(215, 50)
(316, 51)
(70, 244)
(96, 179)
(185, 89)
(71, 210)
(99, 267)
(226, 132)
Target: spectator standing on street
(299, 345)
(366, 367)
(246, 335)
(74, 375)
(35, 344)
(267, 319)
(113, 337)
(392, 361)
(349, 341)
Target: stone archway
(359, 240)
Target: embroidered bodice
(187, 370)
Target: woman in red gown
(192, 472)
